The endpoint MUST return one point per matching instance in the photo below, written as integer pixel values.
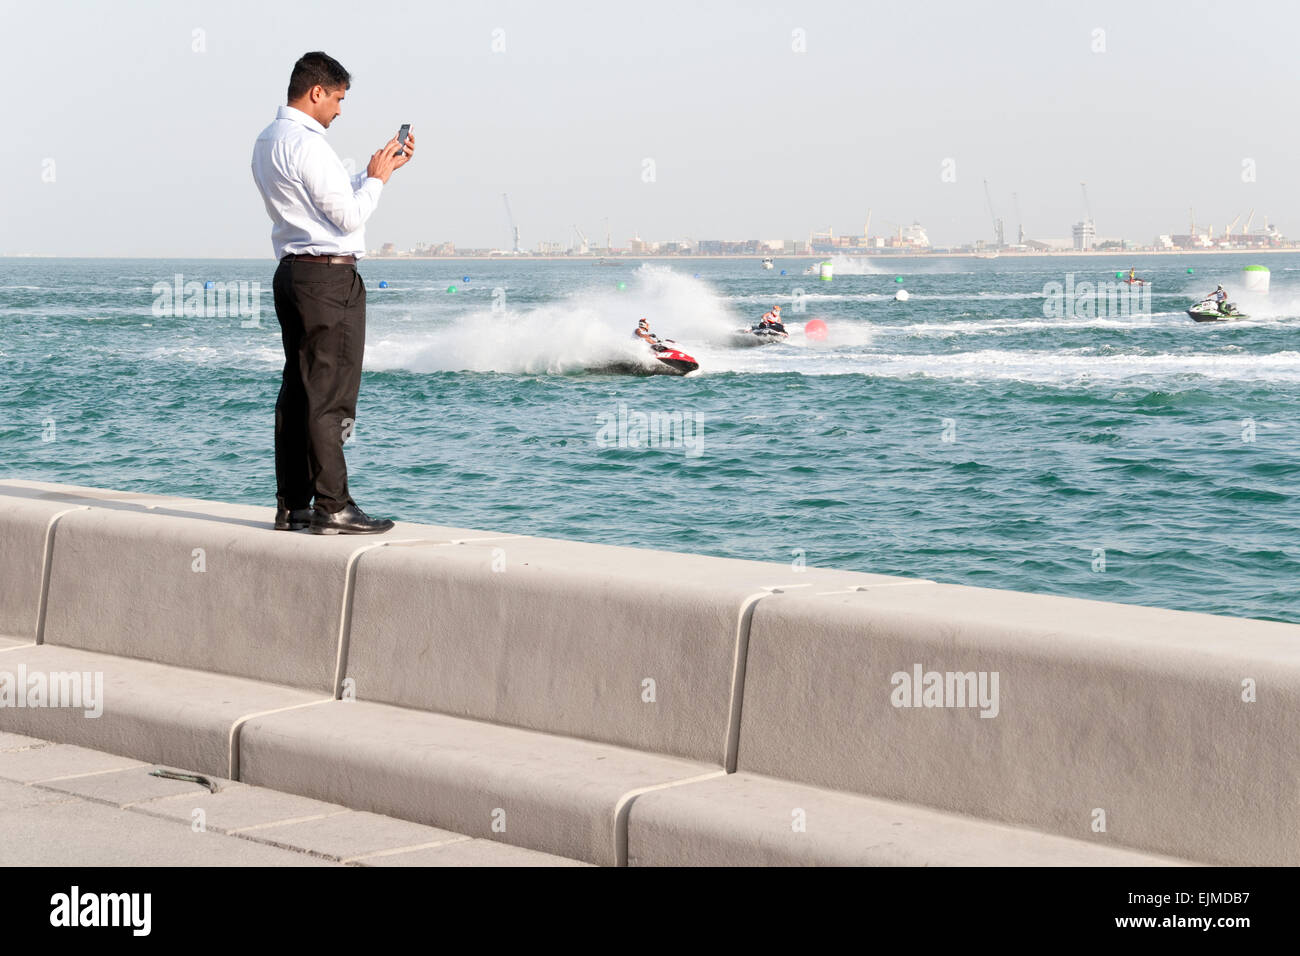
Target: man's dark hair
(313, 69)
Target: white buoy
(901, 295)
(1255, 278)
(826, 271)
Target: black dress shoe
(351, 520)
(292, 519)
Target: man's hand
(409, 147)
(385, 161)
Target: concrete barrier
(1138, 719)
(202, 594)
(621, 645)
(617, 705)
(639, 651)
(182, 607)
(521, 787)
(744, 819)
(26, 533)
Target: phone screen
(401, 138)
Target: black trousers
(322, 313)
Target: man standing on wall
(318, 214)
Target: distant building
(1085, 235)
(670, 247)
(914, 235)
(907, 238)
(437, 249)
(728, 247)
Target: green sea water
(985, 432)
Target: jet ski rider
(644, 334)
(1219, 297)
(771, 320)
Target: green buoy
(1189, 271)
(622, 286)
(451, 288)
(898, 278)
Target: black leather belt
(332, 260)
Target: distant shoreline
(847, 255)
(627, 259)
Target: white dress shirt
(316, 209)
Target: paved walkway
(68, 806)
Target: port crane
(584, 247)
(998, 233)
(514, 230)
(1087, 204)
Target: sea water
(978, 433)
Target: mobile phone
(401, 139)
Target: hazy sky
(150, 141)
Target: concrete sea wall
(627, 706)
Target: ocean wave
(1077, 367)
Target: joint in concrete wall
(731, 751)
(47, 564)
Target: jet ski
(1207, 310)
(759, 335)
(674, 358)
(664, 359)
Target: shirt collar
(298, 116)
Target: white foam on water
(234, 355)
(1268, 306)
(785, 297)
(1015, 326)
(1065, 367)
(589, 329)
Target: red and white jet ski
(666, 351)
(663, 358)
